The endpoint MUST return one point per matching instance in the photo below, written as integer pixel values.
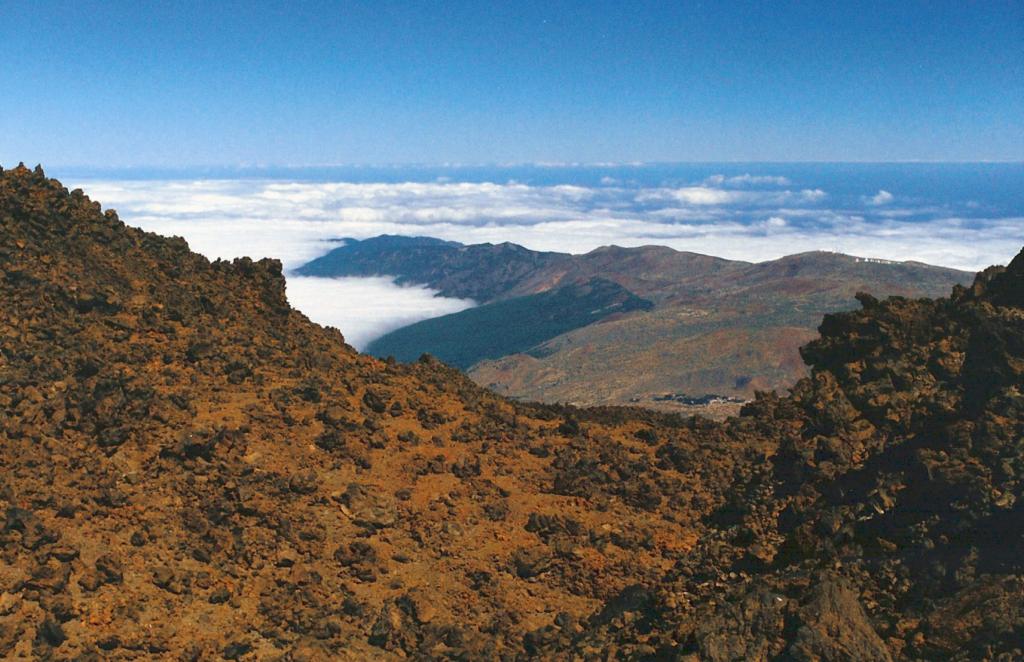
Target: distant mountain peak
(403, 241)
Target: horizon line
(554, 165)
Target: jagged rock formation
(189, 469)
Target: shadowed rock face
(189, 469)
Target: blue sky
(189, 83)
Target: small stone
(90, 580)
(303, 483)
(109, 569)
(236, 650)
(64, 553)
(530, 562)
(286, 558)
(109, 643)
(163, 576)
(52, 633)
(368, 508)
(220, 596)
(420, 607)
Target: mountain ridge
(382, 256)
(461, 279)
(737, 324)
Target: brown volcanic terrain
(192, 470)
(718, 326)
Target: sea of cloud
(367, 308)
(745, 217)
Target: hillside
(715, 326)
(481, 272)
(192, 470)
(512, 325)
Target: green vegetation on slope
(507, 327)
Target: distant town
(698, 400)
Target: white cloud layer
(746, 217)
(883, 197)
(294, 221)
(367, 308)
(747, 180)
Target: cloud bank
(883, 197)
(295, 221)
(367, 308)
(747, 180)
(745, 217)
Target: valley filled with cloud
(367, 308)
